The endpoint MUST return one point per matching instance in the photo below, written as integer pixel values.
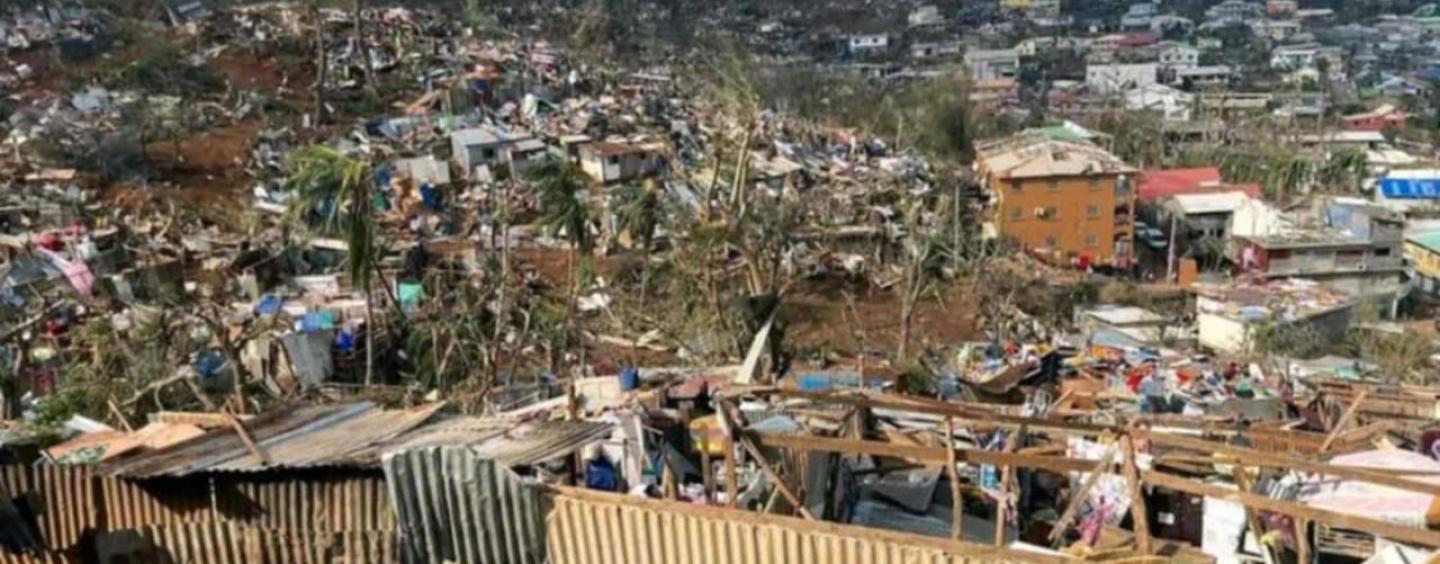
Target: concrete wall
(1222, 334)
(1084, 221)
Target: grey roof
(454, 504)
(355, 435)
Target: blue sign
(1411, 188)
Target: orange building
(1070, 201)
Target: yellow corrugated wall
(590, 528)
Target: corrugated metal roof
(507, 442)
(304, 437)
(356, 434)
(455, 504)
(1036, 158)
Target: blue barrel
(629, 379)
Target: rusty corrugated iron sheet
(586, 527)
(18, 535)
(233, 543)
(48, 557)
(353, 503)
(70, 502)
(515, 444)
(127, 504)
(305, 437)
(62, 501)
(456, 505)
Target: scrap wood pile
(1180, 487)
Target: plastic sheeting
(1374, 501)
(454, 505)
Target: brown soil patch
(821, 319)
(247, 71)
(206, 170)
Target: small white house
(609, 163)
(1116, 78)
(426, 169)
(992, 64)
(1173, 105)
(1179, 56)
(483, 146)
(859, 43)
(926, 15)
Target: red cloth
(50, 242)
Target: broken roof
(1218, 202)
(354, 434)
(1163, 183)
(606, 149)
(1038, 158)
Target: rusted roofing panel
(305, 437)
(508, 442)
(338, 441)
(355, 434)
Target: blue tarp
(1410, 188)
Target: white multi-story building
(869, 42)
(1117, 78)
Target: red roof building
(1156, 185)
(1379, 119)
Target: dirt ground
(821, 319)
(206, 169)
(245, 71)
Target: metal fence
(589, 528)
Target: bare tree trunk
(322, 67)
(914, 285)
(370, 327)
(364, 51)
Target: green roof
(1067, 131)
(1430, 240)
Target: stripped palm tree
(639, 210)
(565, 212)
(1344, 171)
(336, 190)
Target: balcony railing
(1331, 265)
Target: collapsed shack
(1152, 484)
(832, 468)
(307, 483)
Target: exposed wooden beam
(1344, 421)
(1253, 457)
(1073, 508)
(957, 499)
(1423, 537)
(255, 450)
(776, 479)
(1138, 514)
(1008, 476)
(933, 456)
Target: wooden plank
(933, 456)
(1344, 421)
(249, 441)
(979, 415)
(1423, 537)
(1302, 540)
(957, 499)
(732, 472)
(1138, 514)
(707, 474)
(1252, 457)
(1006, 477)
(1073, 508)
(1252, 518)
(775, 478)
